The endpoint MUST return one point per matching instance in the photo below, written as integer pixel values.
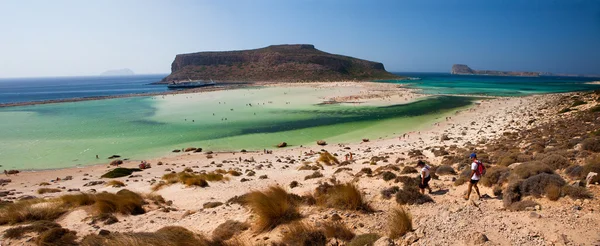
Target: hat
(420, 162)
(473, 155)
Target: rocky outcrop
(466, 70)
(284, 63)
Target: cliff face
(464, 69)
(285, 63)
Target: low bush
(512, 193)
(272, 207)
(537, 185)
(58, 237)
(574, 171)
(314, 175)
(115, 183)
(327, 158)
(495, 175)
(410, 195)
(300, 234)
(592, 165)
(341, 196)
(529, 169)
(120, 172)
(408, 169)
(387, 193)
(188, 179)
(30, 210)
(366, 170)
(337, 230)
(464, 176)
(553, 192)
(364, 239)
(123, 202)
(576, 192)
(445, 170)
(228, 229)
(399, 223)
(48, 190)
(591, 144)
(408, 181)
(170, 236)
(497, 190)
(387, 175)
(36, 226)
(556, 162)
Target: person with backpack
(477, 170)
(425, 176)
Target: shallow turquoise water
(70, 134)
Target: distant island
(466, 70)
(275, 63)
(118, 72)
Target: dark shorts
(474, 181)
(426, 183)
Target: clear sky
(67, 38)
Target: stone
(590, 177)
(336, 217)
(384, 241)
(104, 232)
(534, 215)
(281, 145)
(478, 238)
(321, 142)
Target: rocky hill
(466, 70)
(284, 63)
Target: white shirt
(426, 170)
(474, 168)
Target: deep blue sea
(42, 89)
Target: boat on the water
(190, 84)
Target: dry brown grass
(538, 184)
(272, 207)
(410, 195)
(166, 236)
(341, 196)
(556, 162)
(529, 169)
(48, 190)
(115, 183)
(553, 192)
(228, 229)
(387, 175)
(314, 175)
(30, 210)
(188, 179)
(77, 200)
(592, 165)
(36, 226)
(58, 237)
(123, 202)
(495, 175)
(577, 192)
(399, 222)
(327, 158)
(301, 234)
(337, 230)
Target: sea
(72, 134)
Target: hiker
(425, 176)
(477, 170)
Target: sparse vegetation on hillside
(272, 207)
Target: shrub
(314, 175)
(387, 175)
(48, 190)
(574, 171)
(56, 236)
(30, 210)
(366, 170)
(553, 192)
(364, 239)
(591, 144)
(495, 175)
(464, 176)
(341, 196)
(592, 165)
(399, 223)
(337, 230)
(234, 173)
(522, 205)
(445, 170)
(228, 229)
(537, 185)
(272, 208)
(576, 192)
(124, 202)
(120, 172)
(555, 161)
(115, 183)
(497, 190)
(411, 195)
(408, 169)
(36, 226)
(327, 158)
(300, 234)
(294, 184)
(188, 179)
(387, 193)
(512, 193)
(408, 181)
(529, 169)
(170, 235)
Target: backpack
(480, 171)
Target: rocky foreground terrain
(541, 153)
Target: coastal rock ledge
(281, 63)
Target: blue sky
(69, 38)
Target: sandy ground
(449, 221)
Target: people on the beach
(475, 176)
(5, 172)
(425, 176)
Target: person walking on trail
(425, 176)
(477, 170)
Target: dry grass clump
(387, 175)
(341, 196)
(556, 161)
(464, 176)
(30, 210)
(123, 202)
(387, 193)
(364, 239)
(337, 230)
(408, 181)
(495, 175)
(591, 144)
(58, 237)
(399, 223)
(576, 192)
(445, 170)
(48, 190)
(512, 193)
(553, 192)
(408, 169)
(301, 234)
(188, 179)
(537, 185)
(522, 205)
(234, 173)
(167, 236)
(36, 226)
(411, 195)
(574, 171)
(592, 165)
(327, 158)
(272, 207)
(529, 169)
(314, 175)
(78, 200)
(228, 229)
(115, 183)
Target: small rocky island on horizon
(118, 72)
(281, 63)
(466, 70)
